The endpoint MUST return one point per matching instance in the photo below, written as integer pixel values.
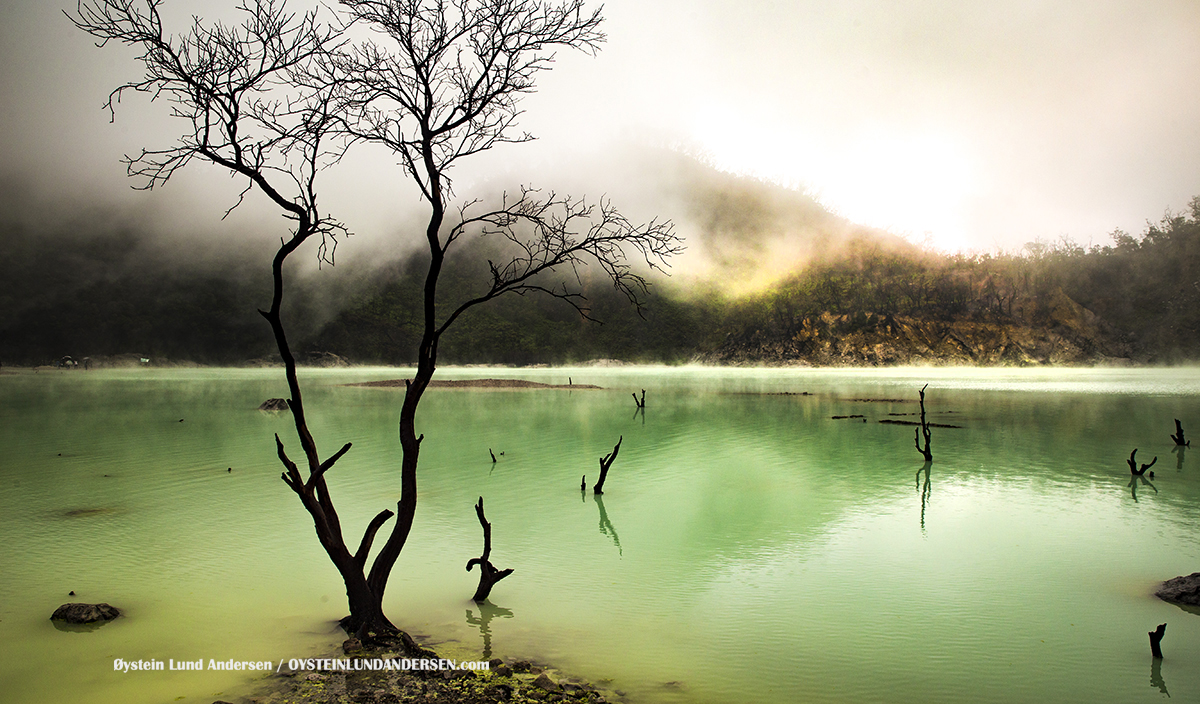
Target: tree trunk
(410, 442)
(365, 604)
(1156, 637)
(606, 462)
(923, 430)
(488, 574)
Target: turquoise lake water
(747, 548)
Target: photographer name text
(294, 665)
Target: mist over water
(747, 547)
(183, 284)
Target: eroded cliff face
(1057, 331)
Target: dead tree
(278, 98)
(606, 462)
(1178, 436)
(642, 402)
(1156, 637)
(923, 430)
(1133, 466)
(488, 574)
(435, 82)
(220, 80)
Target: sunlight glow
(912, 183)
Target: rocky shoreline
(1068, 336)
(516, 682)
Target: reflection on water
(772, 558)
(1156, 678)
(1137, 479)
(487, 612)
(606, 526)
(924, 490)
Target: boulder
(274, 404)
(85, 613)
(1181, 590)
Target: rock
(327, 359)
(503, 671)
(493, 663)
(1181, 590)
(544, 682)
(274, 404)
(85, 613)
(351, 646)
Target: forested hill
(783, 282)
(869, 301)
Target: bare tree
(442, 83)
(923, 430)
(235, 90)
(279, 97)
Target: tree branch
(364, 547)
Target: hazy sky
(983, 124)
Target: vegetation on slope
(787, 283)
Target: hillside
(770, 277)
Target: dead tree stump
(642, 402)
(1133, 466)
(606, 462)
(1178, 436)
(923, 430)
(1156, 637)
(488, 574)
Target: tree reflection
(1156, 678)
(606, 526)
(487, 612)
(1180, 451)
(1135, 480)
(925, 490)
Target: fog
(964, 125)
